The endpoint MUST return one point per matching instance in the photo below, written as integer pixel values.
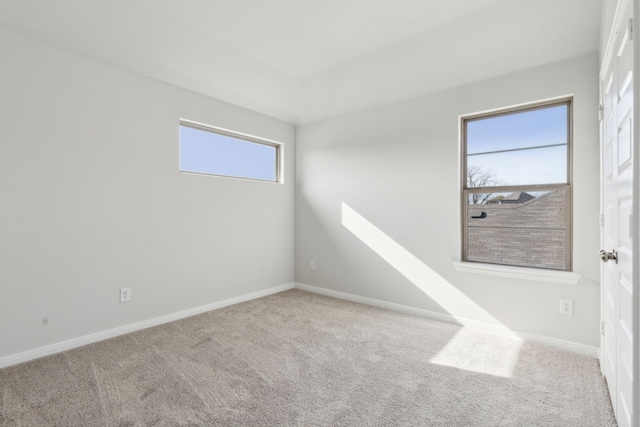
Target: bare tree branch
(478, 177)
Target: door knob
(606, 256)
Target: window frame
(566, 187)
(278, 146)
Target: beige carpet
(300, 359)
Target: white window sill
(564, 277)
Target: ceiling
(307, 60)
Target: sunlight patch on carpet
(468, 350)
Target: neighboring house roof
(517, 197)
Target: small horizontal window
(214, 151)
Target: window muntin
(213, 151)
(517, 189)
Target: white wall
(398, 168)
(91, 200)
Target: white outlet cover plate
(566, 307)
(125, 294)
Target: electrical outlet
(125, 294)
(566, 307)
(312, 265)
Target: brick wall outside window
(530, 234)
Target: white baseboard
(99, 336)
(500, 330)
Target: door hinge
(630, 29)
(602, 328)
(600, 112)
(601, 220)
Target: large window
(517, 186)
(214, 151)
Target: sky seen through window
(521, 148)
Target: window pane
(519, 152)
(212, 153)
(520, 129)
(524, 228)
(523, 167)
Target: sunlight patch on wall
(450, 298)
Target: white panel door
(617, 170)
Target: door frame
(636, 215)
